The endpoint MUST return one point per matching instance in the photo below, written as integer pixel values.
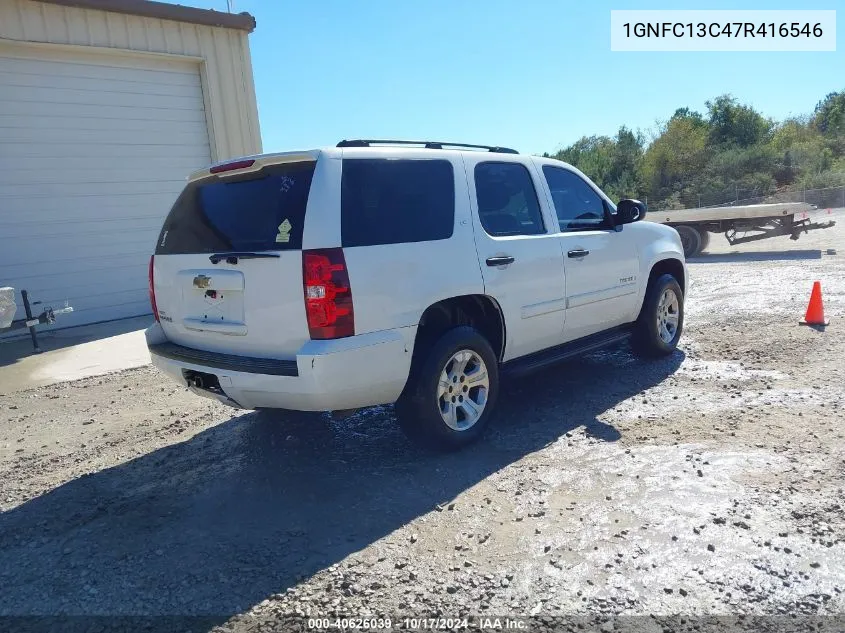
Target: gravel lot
(708, 483)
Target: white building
(105, 107)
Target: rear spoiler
(248, 164)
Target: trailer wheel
(705, 240)
(690, 239)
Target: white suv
(416, 273)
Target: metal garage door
(93, 151)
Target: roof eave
(165, 11)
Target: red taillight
(328, 296)
(153, 289)
(238, 164)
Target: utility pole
(229, 5)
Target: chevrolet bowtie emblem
(201, 281)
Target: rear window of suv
(396, 201)
(261, 211)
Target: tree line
(731, 150)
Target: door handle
(578, 252)
(502, 260)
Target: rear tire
(451, 392)
(690, 240)
(661, 322)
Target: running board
(538, 360)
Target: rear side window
(507, 200)
(262, 211)
(395, 201)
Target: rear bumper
(224, 362)
(348, 373)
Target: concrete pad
(73, 353)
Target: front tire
(451, 391)
(661, 321)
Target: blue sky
(531, 74)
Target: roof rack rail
(427, 144)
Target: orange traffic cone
(815, 309)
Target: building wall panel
(228, 86)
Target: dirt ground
(708, 483)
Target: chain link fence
(825, 198)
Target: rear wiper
(232, 258)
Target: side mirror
(628, 211)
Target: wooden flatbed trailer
(739, 224)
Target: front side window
(396, 201)
(577, 205)
(507, 200)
